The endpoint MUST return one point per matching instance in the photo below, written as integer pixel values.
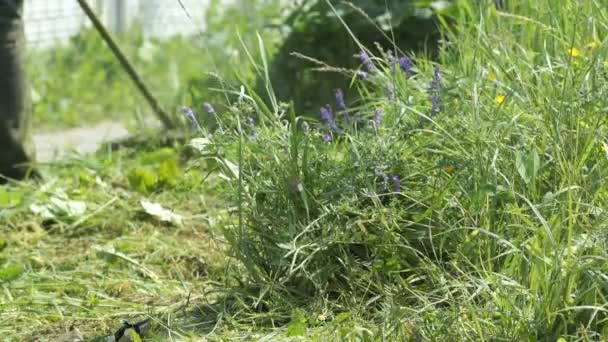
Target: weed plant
(459, 200)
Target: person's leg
(14, 99)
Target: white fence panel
(49, 22)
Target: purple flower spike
(367, 62)
(434, 89)
(396, 184)
(437, 74)
(339, 94)
(328, 117)
(406, 65)
(190, 115)
(435, 104)
(378, 117)
(209, 108)
(328, 138)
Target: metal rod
(124, 62)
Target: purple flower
(435, 83)
(340, 99)
(326, 114)
(328, 117)
(437, 74)
(367, 62)
(406, 65)
(190, 115)
(435, 104)
(328, 138)
(434, 89)
(378, 117)
(396, 183)
(209, 108)
(362, 74)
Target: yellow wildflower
(592, 45)
(574, 52)
(500, 99)
(492, 77)
(450, 169)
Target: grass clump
(461, 200)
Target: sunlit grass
(463, 199)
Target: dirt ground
(51, 146)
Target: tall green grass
(497, 230)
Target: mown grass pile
(80, 252)
(461, 199)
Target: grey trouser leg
(14, 99)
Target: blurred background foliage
(316, 31)
(81, 83)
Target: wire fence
(54, 22)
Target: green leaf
(533, 164)
(134, 336)
(391, 263)
(342, 317)
(423, 216)
(527, 165)
(10, 273)
(521, 167)
(297, 327)
(142, 179)
(158, 156)
(168, 171)
(9, 198)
